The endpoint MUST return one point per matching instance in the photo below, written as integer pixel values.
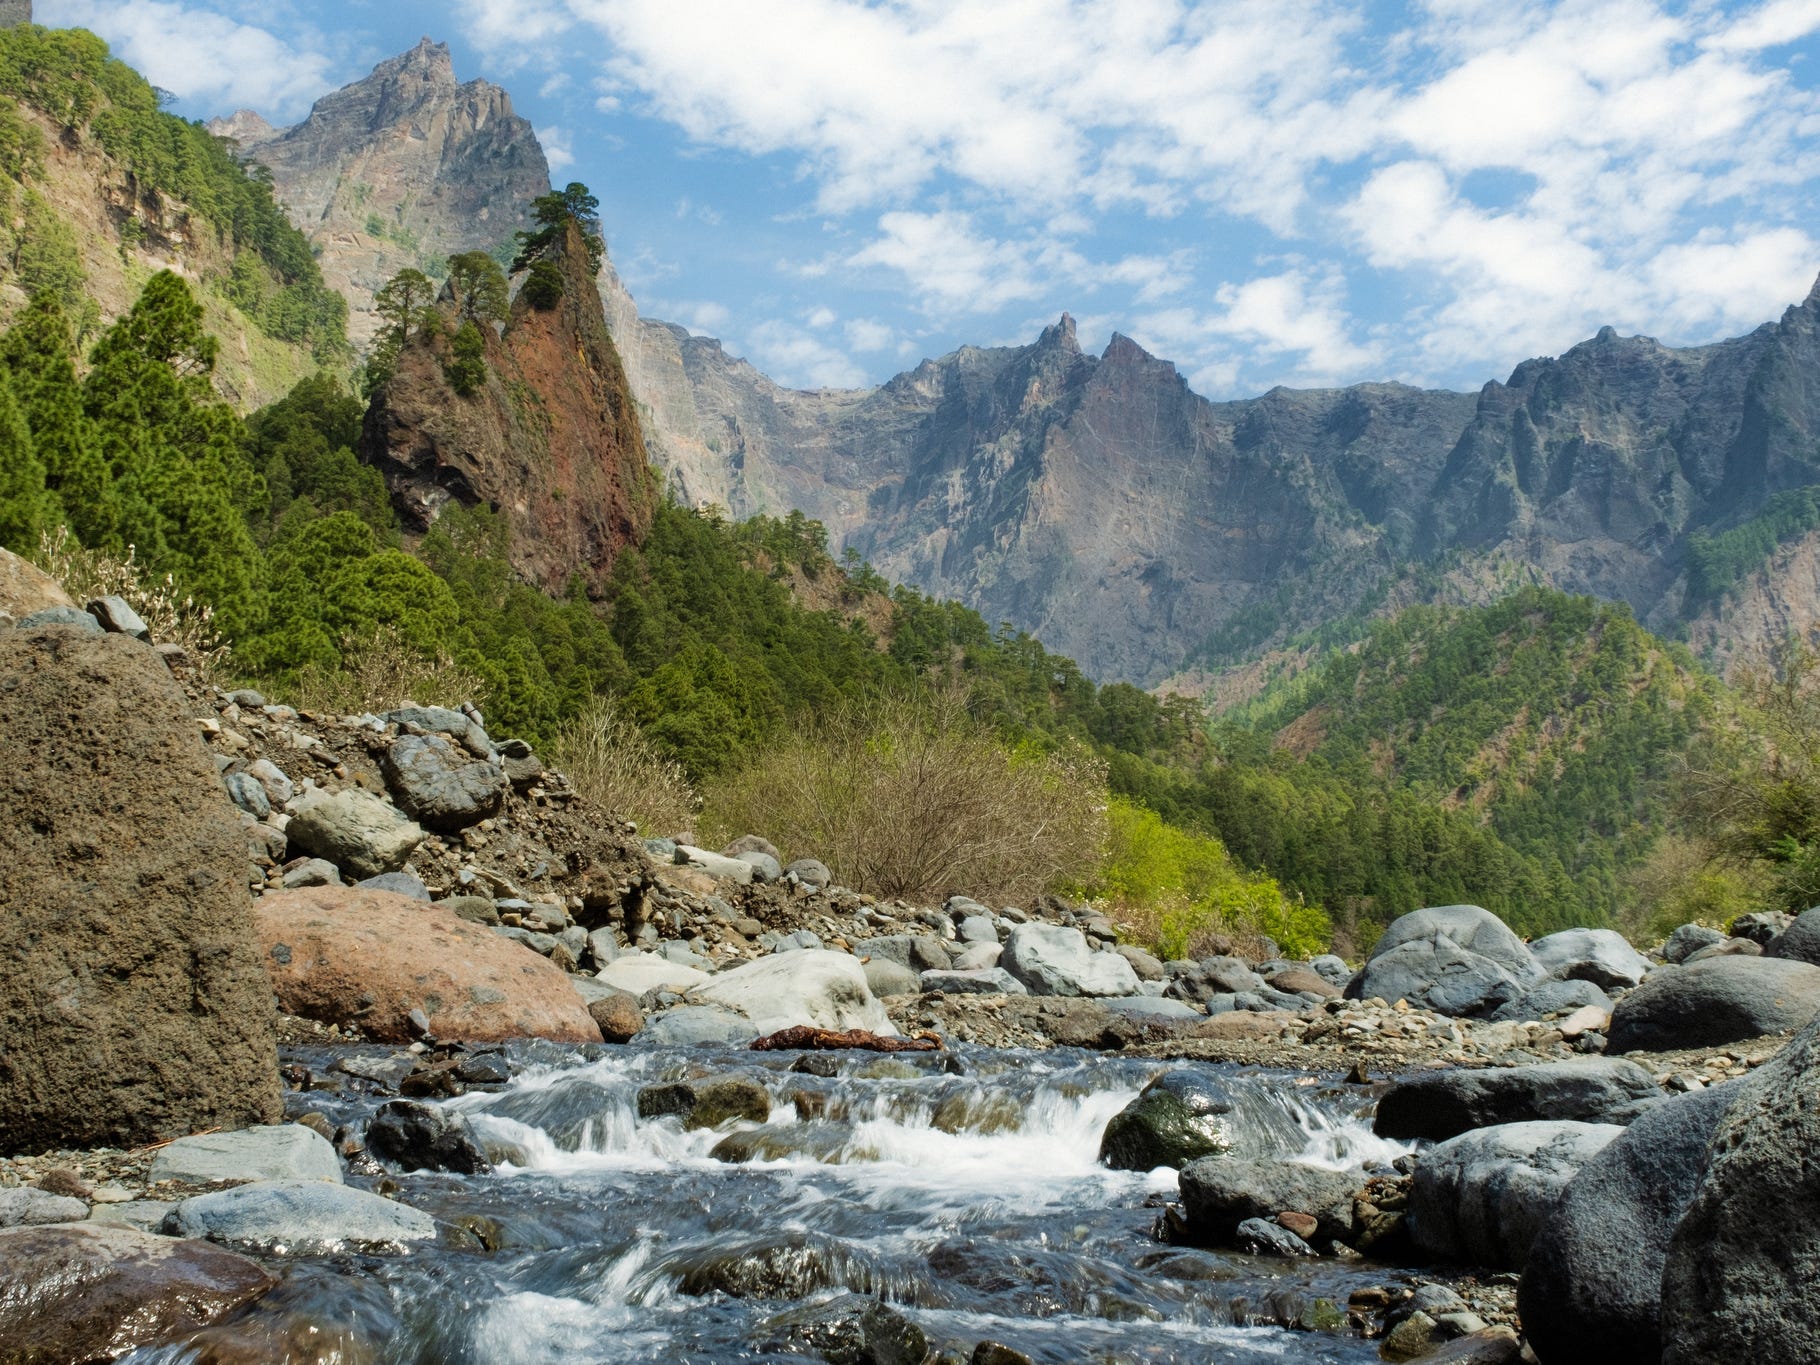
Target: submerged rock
(1219, 1193)
(421, 1137)
(849, 1330)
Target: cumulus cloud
(801, 359)
(204, 56)
(558, 148)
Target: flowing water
(962, 1188)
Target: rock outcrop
(551, 440)
(132, 1005)
(398, 169)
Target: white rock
(641, 972)
(727, 869)
(813, 986)
(287, 1151)
(1053, 960)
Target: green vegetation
(479, 286)
(1715, 564)
(554, 213)
(466, 369)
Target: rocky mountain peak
(246, 127)
(1060, 335)
(1813, 295)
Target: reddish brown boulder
(25, 588)
(368, 958)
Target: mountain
(403, 168)
(1097, 501)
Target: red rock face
(551, 441)
(369, 958)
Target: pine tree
(26, 509)
(37, 355)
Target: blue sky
(1264, 191)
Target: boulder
(1438, 1105)
(1763, 928)
(359, 832)
(117, 617)
(435, 720)
(697, 1026)
(132, 1006)
(1219, 1193)
(1332, 968)
(977, 981)
(1260, 1237)
(369, 958)
(617, 1015)
(1051, 959)
(852, 1329)
(636, 973)
(1716, 1001)
(1453, 959)
(1688, 940)
(88, 1292)
(1742, 1279)
(422, 1137)
(750, 843)
(1302, 981)
(1179, 1117)
(918, 952)
(24, 1206)
(1552, 997)
(1801, 941)
(1581, 1301)
(442, 787)
(976, 957)
(1601, 956)
(25, 588)
(726, 869)
(706, 1104)
(1146, 965)
(810, 872)
(885, 977)
(286, 1151)
(300, 1216)
(815, 986)
(1730, 947)
(977, 929)
(1480, 1198)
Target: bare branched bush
(172, 619)
(381, 670)
(911, 797)
(614, 766)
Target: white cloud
(1771, 25)
(867, 336)
(800, 360)
(558, 148)
(200, 55)
(822, 317)
(511, 32)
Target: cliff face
(400, 169)
(551, 440)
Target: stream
(961, 1187)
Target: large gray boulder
(885, 977)
(300, 1216)
(972, 981)
(1453, 959)
(1801, 941)
(27, 1206)
(1715, 1001)
(1052, 959)
(133, 1006)
(1688, 940)
(1592, 1289)
(1219, 1193)
(1480, 1198)
(1552, 997)
(1601, 956)
(1742, 1280)
(443, 787)
(362, 834)
(918, 952)
(814, 986)
(1438, 1105)
(697, 1026)
(286, 1151)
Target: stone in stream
(618, 1016)
(371, 958)
(1261, 1237)
(1453, 959)
(1601, 956)
(132, 1004)
(357, 831)
(1219, 1193)
(1438, 1105)
(818, 987)
(1479, 1199)
(88, 1292)
(440, 786)
(1051, 959)
(1742, 1280)
(1177, 1118)
(1583, 1303)
(853, 1329)
(697, 1026)
(818, 1141)
(706, 1104)
(300, 1216)
(419, 1137)
(286, 1151)
(1716, 1001)
(794, 1265)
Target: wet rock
(134, 1005)
(1480, 1198)
(849, 1330)
(1054, 960)
(1442, 1104)
(22, 1206)
(618, 1016)
(765, 1267)
(993, 1353)
(979, 981)
(1452, 959)
(885, 977)
(440, 786)
(357, 831)
(1601, 956)
(1688, 940)
(1742, 1279)
(1261, 1237)
(90, 1292)
(1584, 1303)
(697, 1026)
(1490, 1346)
(816, 1141)
(1716, 1001)
(287, 1151)
(369, 958)
(706, 1104)
(815, 986)
(1179, 1117)
(1219, 1193)
(292, 1216)
(422, 1137)
(1553, 997)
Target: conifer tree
(37, 355)
(26, 509)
